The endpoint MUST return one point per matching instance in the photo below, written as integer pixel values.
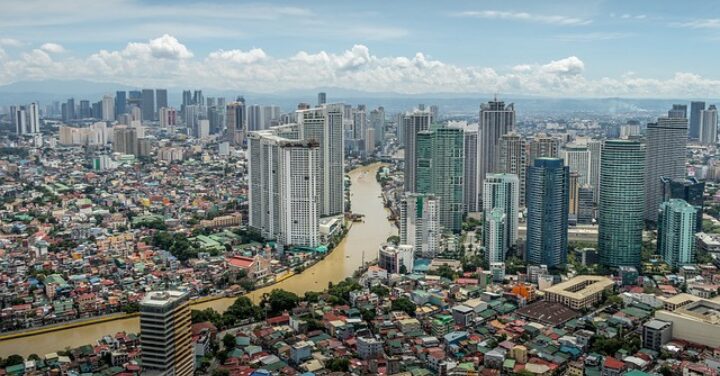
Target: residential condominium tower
(325, 125)
(666, 154)
(547, 212)
(496, 119)
(676, 232)
(413, 123)
(165, 334)
(500, 191)
(420, 223)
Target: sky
(588, 48)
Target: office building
(676, 232)
(577, 157)
(161, 98)
(186, 99)
(500, 191)
(547, 212)
(573, 194)
(579, 292)
(471, 199)
(284, 188)
(20, 120)
(708, 126)
(322, 99)
(630, 130)
(235, 122)
(413, 123)
(120, 103)
(655, 334)
(70, 110)
(198, 98)
(165, 334)
(666, 141)
(585, 209)
(696, 109)
(255, 119)
(696, 322)
(496, 119)
(689, 189)
(439, 170)
(147, 104)
(108, 108)
(377, 124)
(125, 139)
(420, 223)
(325, 125)
(512, 159)
(396, 259)
(85, 110)
(621, 203)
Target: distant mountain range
(47, 91)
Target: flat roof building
(697, 322)
(165, 334)
(579, 292)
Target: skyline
(556, 50)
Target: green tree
(220, 372)
(281, 300)
(403, 304)
(228, 341)
(338, 365)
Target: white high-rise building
(496, 119)
(33, 118)
(512, 159)
(20, 116)
(495, 235)
(595, 147)
(255, 120)
(708, 125)
(325, 125)
(168, 117)
(108, 108)
(420, 223)
(501, 191)
(203, 128)
(284, 188)
(578, 158)
(396, 258)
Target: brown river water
(364, 237)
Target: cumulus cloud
(524, 16)
(166, 62)
(53, 48)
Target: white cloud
(166, 62)
(591, 37)
(524, 16)
(53, 48)
(10, 42)
(701, 23)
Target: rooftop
(581, 286)
(548, 313)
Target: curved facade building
(621, 204)
(547, 211)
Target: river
(364, 237)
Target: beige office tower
(165, 334)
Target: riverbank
(359, 245)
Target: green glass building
(440, 169)
(621, 203)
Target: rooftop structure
(579, 292)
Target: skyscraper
(70, 115)
(471, 199)
(439, 171)
(547, 212)
(496, 119)
(500, 191)
(708, 126)
(322, 98)
(595, 147)
(413, 123)
(255, 117)
(20, 120)
(186, 100)
(678, 111)
(148, 104)
(676, 232)
(420, 223)
(543, 146)
(666, 141)
(108, 108)
(621, 203)
(33, 118)
(284, 187)
(512, 159)
(696, 109)
(161, 98)
(690, 190)
(325, 125)
(120, 103)
(165, 334)
(585, 211)
(235, 122)
(377, 123)
(85, 109)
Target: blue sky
(564, 48)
